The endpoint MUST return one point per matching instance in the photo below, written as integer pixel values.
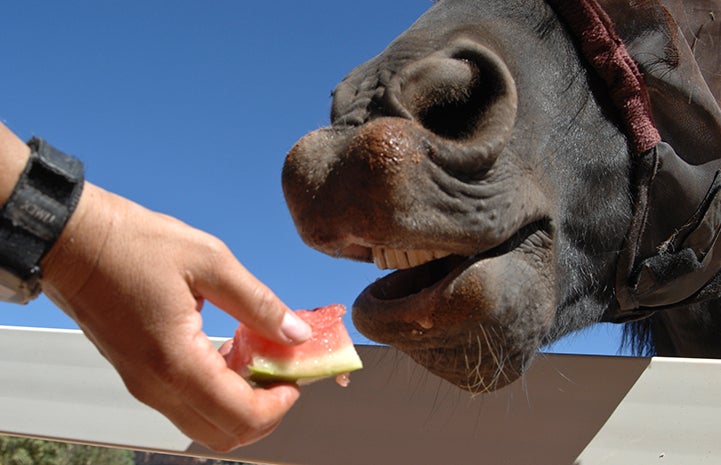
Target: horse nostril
(466, 95)
(452, 95)
(447, 97)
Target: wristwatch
(33, 217)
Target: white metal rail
(567, 410)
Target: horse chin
(474, 321)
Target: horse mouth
(452, 314)
(417, 293)
(405, 283)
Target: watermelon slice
(329, 352)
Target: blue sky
(189, 107)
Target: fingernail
(295, 329)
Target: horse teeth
(385, 258)
(402, 261)
(379, 258)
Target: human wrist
(35, 213)
(69, 263)
(14, 155)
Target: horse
(527, 168)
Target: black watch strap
(34, 216)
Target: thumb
(231, 287)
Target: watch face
(15, 290)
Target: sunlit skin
(135, 281)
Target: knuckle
(243, 434)
(224, 445)
(255, 426)
(249, 435)
(264, 301)
(215, 248)
(137, 389)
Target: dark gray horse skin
(482, 158)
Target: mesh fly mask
(672, 255)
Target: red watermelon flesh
(329, 351)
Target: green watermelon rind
(264, 370)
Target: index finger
(230, 286)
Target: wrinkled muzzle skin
(453, 157)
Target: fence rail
(567, 410)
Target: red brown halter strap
(606, 53)
(672, 256)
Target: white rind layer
(331, 364)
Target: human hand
(135, 281)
